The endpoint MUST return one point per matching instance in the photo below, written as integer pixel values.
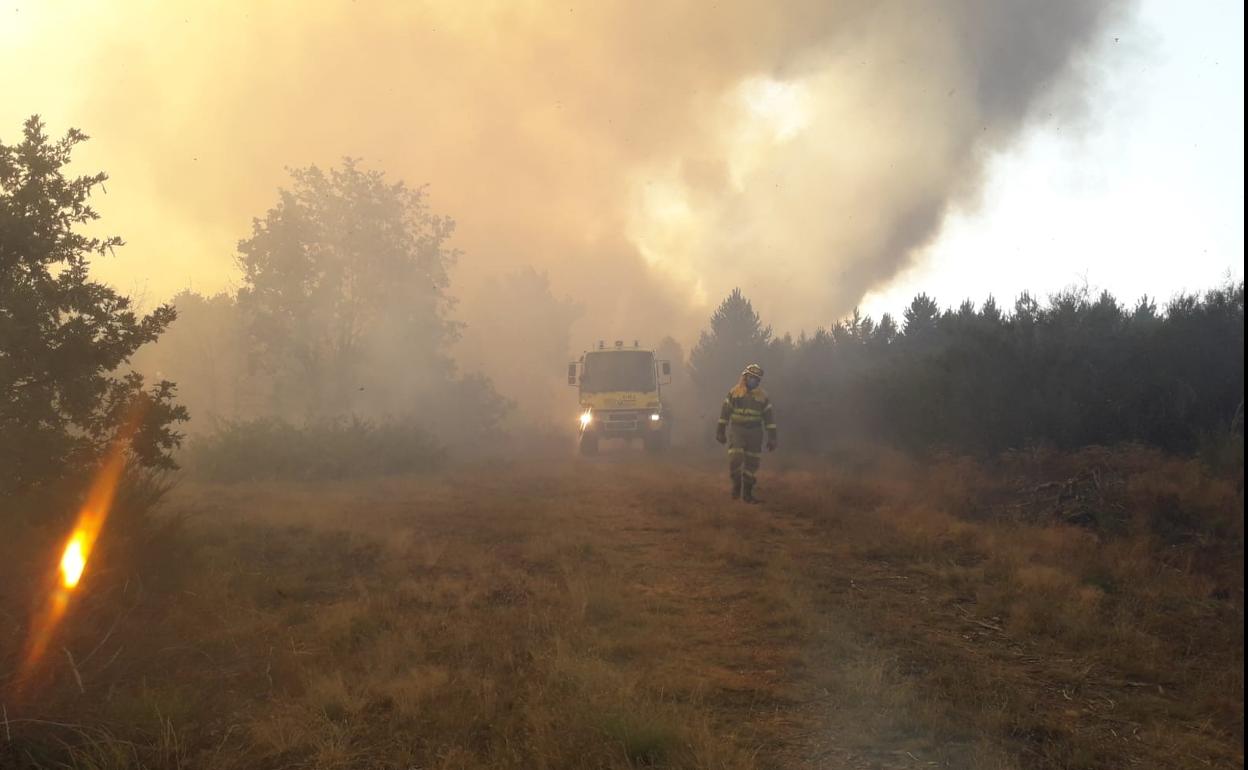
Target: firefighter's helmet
(753, 370)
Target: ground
(623, 612)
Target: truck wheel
(588, 445)
(658, 443)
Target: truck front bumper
(623, 423)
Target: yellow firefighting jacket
(748, 408)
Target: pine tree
(736, 337)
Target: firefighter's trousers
(745, 453)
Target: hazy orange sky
(649, 156)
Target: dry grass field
(1048, 611)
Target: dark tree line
(1076, 370)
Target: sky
(819, 155)
(1148, 201)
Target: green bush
(271, 448)
(65, 340)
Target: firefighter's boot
(736, 487)
(747, 493)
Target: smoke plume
(648, 157)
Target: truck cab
(620, 396)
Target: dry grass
(877, 612)
(1104, 640)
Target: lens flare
(73, 561)
(77, 550)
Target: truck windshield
(619, 371)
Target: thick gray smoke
(821, 176)
(646, 157)
(649, 157)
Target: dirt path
(771, 624)
(822, 652)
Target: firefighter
(744, 417)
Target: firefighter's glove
(721, 436)
(771, 445)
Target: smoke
(832, 169)
(647, 157)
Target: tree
(206, 352)
(921, 317)
(689, 415)
(521, 336)
(64, 337)
(345, 290)
(1079, 369)
(886, 333)
(736, 337)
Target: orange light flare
(73, 561)
(77, 550)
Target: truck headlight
(655, 417)
(586, 418)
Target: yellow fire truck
(621, 397)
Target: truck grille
(622, 421)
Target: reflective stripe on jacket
(748, 408)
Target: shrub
(270, 448)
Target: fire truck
(620, 396)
